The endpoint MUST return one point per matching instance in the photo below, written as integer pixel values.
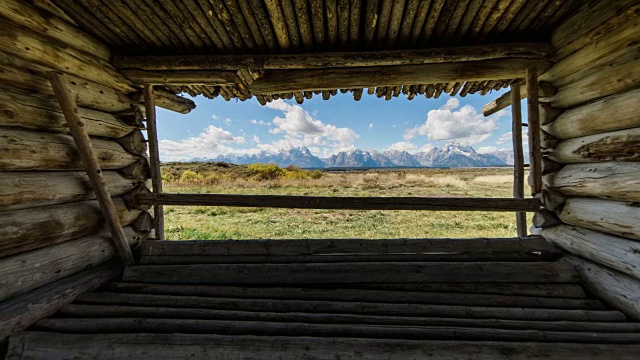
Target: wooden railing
(352, 203)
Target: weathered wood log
(320, 273)
(134, 143)
(590, 23)
(171, 77)
(30, 78)
(533, 118)
(616, 288)
(344, 307)
(279, 81)
(19, 313)
(197, 326)
(361, 203)
(614, 77)
(613, 217)
(613, 251)
(106, 311)
(566, 290)
(518, 156)
(503, 101)
(154, 155)
(27, 271)
(297, 259)
(21, 190)
(33, 228)
(44, 114)
(609, 180)
(616, 112)
(50, 25)
(37, 48)
(545, 219)
(60, 86)
(621, 40)
(28, 150)
(621, 145)
(139, 170)
(49, 7)
(335, 59)
(346, 246)
(171, 346)
(401, 297)
(167, 100)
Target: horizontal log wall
(52, 228)
(592, 152)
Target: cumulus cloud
(451, 122)
(300, 128)
(370, 126)
(504, 138)
(209, 143)
(256, 139)
(486, 149)
(260, 122)
(404, 146)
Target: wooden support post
(154, 154)
(535, 154)
(76, 127)
(518, 157)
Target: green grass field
(210, 223)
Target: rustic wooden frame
(154, 158)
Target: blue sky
(326, 127)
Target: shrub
(190, 177)
(316, 174)
(266, 171)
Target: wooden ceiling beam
(335, 59)
(190, 77)
(283, 81)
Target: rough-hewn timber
(614, 217)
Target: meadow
(210, 223)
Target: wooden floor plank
(297, 259)
(114, 311)
(38, 345)
(319, 273)
(401, 297)
(106, 298)
(523, 289)
(234, 327)
(346, 246)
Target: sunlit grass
(213, 223)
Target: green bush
(266, 171)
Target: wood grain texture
(22, 190)
(620, 145)
(613, 217)
(618, 289)
(171, 346)
(60, 86)
(608, 180)
(351, 273)
(19, 313)
(154, 158)
(278, 81)
(360, 203)
(616, 112)
(347, 246)
(616, 252)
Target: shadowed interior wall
(591, 128)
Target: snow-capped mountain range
(450, 155)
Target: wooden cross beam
(518, 157)
(76, 127)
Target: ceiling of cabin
(168, 27)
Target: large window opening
(341, 148)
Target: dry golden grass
(261, 223)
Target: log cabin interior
(84, 272)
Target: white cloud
(404, 146)
(209, 143)
(370, 126)
(256, 139)
(260, 122)
(465, 125)
(215, 117)
(504, 138)
(486, 149)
